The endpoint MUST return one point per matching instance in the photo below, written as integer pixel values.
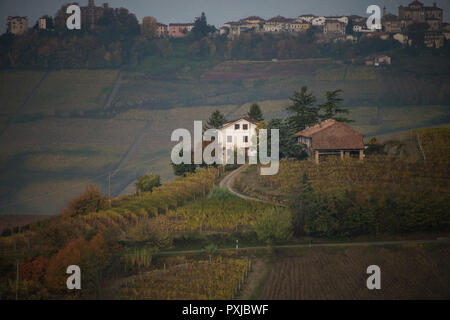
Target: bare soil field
(407, 272)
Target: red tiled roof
(330, 134)
(245, 118)
(253, 18)
(278, 19)
(309, 131)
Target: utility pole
(17, 279)
(109, 189)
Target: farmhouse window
(236, 126)
(245, 138)
(229, 138)
(245, 126)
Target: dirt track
(228, 182)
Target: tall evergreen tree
(255, 112)
(201, 27)
(215, 121)
(288, 145)
(300, 204)
(303, 112)
(349, 27)
(331, 107)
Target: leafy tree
(149, 26)
(331, 107)
(165, 48)
(374, 147)
(416, 32)
(210, 249)
(207, 47)
(146, 183)
(274, 224)
(194, 49)
(303, 112)
(91, 200)
(183, 168)
(255, 112)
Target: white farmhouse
(238, 134)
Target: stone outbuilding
(331, 138)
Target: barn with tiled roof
(331, 137)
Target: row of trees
(346, 212)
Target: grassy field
(407, 272)
(59, 157)
(379, 120)
(72, 91)
(15, 87)
(53, 159)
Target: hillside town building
(17, 25)
(90, 14)
(179, 30)
(162, 30)
(334, 27)
(416, 12)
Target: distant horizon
(217, 12)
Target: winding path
(228, 182)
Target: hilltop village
(411, 18)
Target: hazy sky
(217, 11)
